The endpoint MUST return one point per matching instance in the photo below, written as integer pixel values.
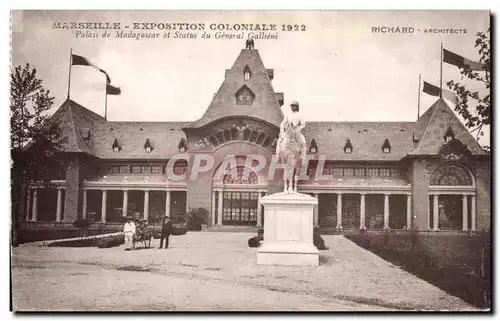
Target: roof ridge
(435, 105)
(73, 123)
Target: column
(408, 211)
(103, 206)
(435, 212)
(473, 213)
(362, 213)
(213, 213)
(146, 205)
(259, 211)
(339, 211)
(167, 204)
(465, 224)
(28, 205)
(125, 203)
(84, 204)
(59, 205)
(386, 211)
(316, 212)
(219, 210)
(34, 210)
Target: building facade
(429, 175)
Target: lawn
(459, 264)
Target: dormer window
(116, 146)
(348, 147)
(386, 147)
(182, 145)
(449, 135)
(148, 148)
(244, 96)
(247, 74)
(313, 148)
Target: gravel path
(205, 271)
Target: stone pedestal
(288, 230)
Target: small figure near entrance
(249, 44)
(291, 144)
(129, 232)
(166, 231)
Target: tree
(474, 106)
(35, 138)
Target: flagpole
(106, 102)
(441, 74)
(418, 107)
(70, 64)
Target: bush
(196, 217)
(110, 241)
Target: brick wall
(483, 198)
(72, 205)
(420, 193)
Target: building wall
(483, 198)
(74, 179)
(199, 191)
(420, 195)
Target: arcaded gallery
(429, 174)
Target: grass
(454, 263)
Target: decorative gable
(247, 73)
(313, 147)
(116, 146)
(182, 145)
(440, 124)
(148, 147)
(348, 147)
(386, 147)
(244, 96)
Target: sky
(337, 68)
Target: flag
(436, 91)
(461, 62)
(82, 61)
(111, 90)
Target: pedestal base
(289, 253)
(288, 232)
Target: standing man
(129, 232)
(166, 230)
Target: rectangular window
(326, 171)
(114, 169)
(395, 172)
(136, 169)
(337, 172)
(156, 169)
(146, 169)
(248, 97)
(124, 169)
(348, 171)
(179, 170)
(372, 171)
(359, 172)
(385, 172)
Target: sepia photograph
(251, 160)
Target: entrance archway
(452, 198)
(238, 196)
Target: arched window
(451, 174)
(251, 177)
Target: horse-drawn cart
(144, 234)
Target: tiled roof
(441, 119)
(366, 138)
(163, 136)
(423, 121)
(75, 119)
(265, 105)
